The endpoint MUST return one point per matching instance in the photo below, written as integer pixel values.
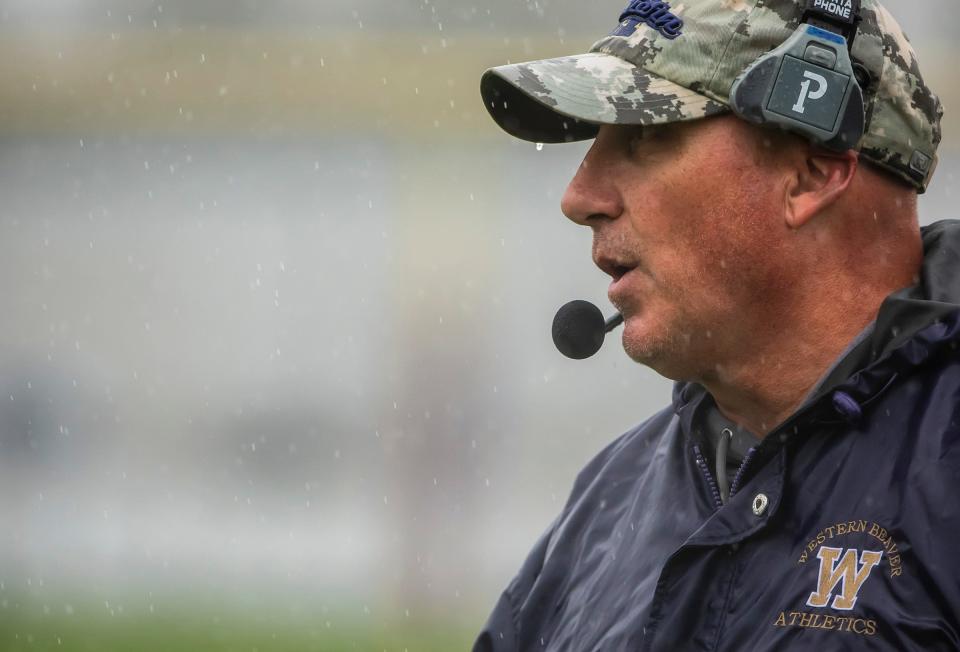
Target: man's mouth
(617, 291)
(620, 271)
(615, 268)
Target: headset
(809, 85)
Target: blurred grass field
(192, 623)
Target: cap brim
(566, 99)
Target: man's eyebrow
(645, 132)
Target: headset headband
(838, 16)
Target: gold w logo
(846, 572)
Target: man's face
(687, 220)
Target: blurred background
(275, 358)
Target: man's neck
(762, 391)
(786, 345)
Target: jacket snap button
(760, 503)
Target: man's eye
(643, 140)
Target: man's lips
(616, 268)
(620, 270)
(618, 292)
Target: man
(801, 491)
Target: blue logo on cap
(654, 13)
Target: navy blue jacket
(842, 531)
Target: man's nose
(591, 194)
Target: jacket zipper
(705, 470)
(712, 483)
(735, 485)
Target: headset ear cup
(749, 92)
(807, 86)
(853, 125)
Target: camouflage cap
(664, 64)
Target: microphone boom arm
(613, 322)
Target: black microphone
(579, 329)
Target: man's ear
(822, 177)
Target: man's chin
(641, 355)
(663, 354)
(639, 344)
